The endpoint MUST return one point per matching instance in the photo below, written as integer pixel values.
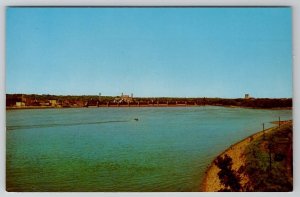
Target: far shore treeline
(46, 100)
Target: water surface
(105, 149)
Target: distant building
(124, 99)
(44, 103)
(247, 96)
(127, 98)
(20, 104)
(53, 102)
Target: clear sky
(180, 52)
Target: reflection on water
(105, 149)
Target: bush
(227, 175)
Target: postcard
(149, 99)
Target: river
(106, 149)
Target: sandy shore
(211, 182)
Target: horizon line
(151, 96)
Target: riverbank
(150, 105)
(238, 153)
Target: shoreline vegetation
(262, 162)
(34, 101)
(141, 106)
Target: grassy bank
(261, 162)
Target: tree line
(11, 99)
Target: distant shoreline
(140, 106)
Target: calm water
(105, 149)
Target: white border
(295, 4)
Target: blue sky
(182, 52)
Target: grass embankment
(261, 162)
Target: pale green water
(104, 149)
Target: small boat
(136, 119)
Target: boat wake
(9, 128)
